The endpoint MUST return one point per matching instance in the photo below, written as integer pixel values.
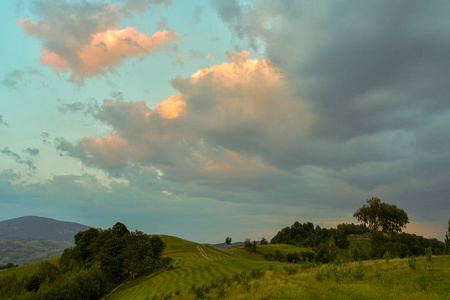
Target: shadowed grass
(27, 269)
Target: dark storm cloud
(375, 76)
(364, 67)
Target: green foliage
(254, 245)
(291, 270)
(412, 262)
(263, 241)
(306, 235)
(347, 229)
(8, 266)
(251, 246)
(358, 273)
(99, 260)
(378, 215)
(387, 256)
(228, 240)
(447, 239)
(327, 251)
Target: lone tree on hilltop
(228, 241)
(378, 215)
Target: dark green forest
(381, 223)
(99, 261)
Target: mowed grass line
(190, 267)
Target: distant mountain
(41, 228)
(224, 245)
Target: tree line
(100, 260)
(382, 222)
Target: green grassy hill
(28, 269)
(195, 264)
(219, 273)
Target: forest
(99, 261)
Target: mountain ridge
(41, 227)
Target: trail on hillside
(203, 253)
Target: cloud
(89, 43)
(32, 151)
(13, 78)
(6, 151)
(223, 120)
(3, 122)
(91, 108)
(353, 106)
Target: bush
(412, 262)
(358, 274)
(290, 270)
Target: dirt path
(202, 252)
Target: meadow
(204, 272)
(227, 274)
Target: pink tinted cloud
(111, 151)
(172, 107)
(215, 127)
(84, 38)
(108, 49)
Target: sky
(206, 119)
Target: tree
(378, 215)
(247, 243)
(228, 241)
(120, 229)
(447, 239)
(263, 241)
(139, 252)
(326, 251)
(253, 248)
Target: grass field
(379, 279)
(191, 267)
(28, 269)
(368, 280)
(219, 273)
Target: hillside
(199, 271)
(41, 228)
(24, 251)
(218, 273)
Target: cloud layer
(84, 38)
(354, 105)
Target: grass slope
(191, 267)
(380, 280)
(28, 269)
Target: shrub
(358, 274)
(387, 256)
(291, 270)
(412, 262)
(320, 275)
